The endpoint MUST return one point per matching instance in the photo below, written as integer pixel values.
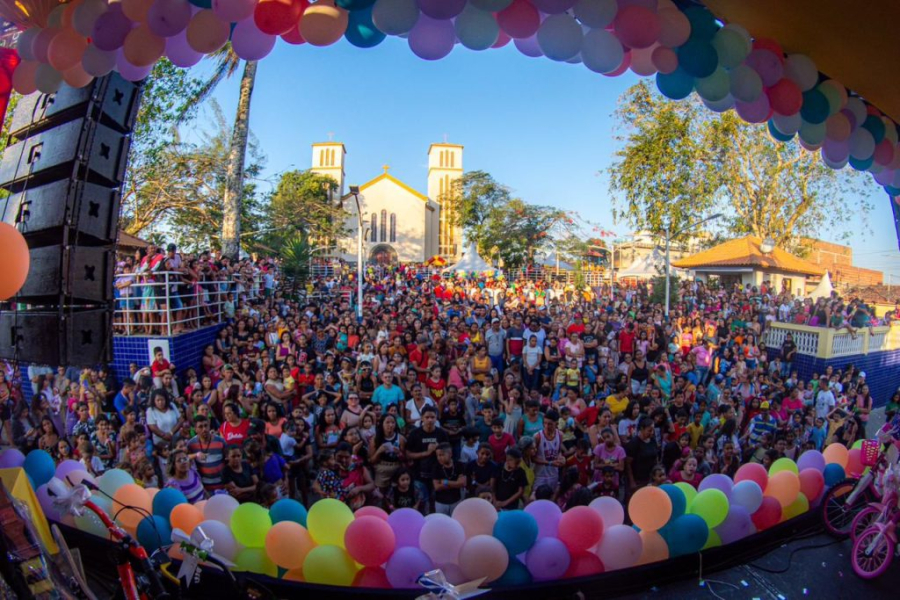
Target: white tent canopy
(649, 266)
(824, 289)
(470, 262)
(550, 258)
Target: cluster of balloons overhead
(332, 545)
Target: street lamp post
(354, 191)
(669, 236)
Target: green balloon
(833, 96)
(784, 464)
(703, 23)
(713, 541)
(715, 87)
(816, 106)
(255, 560)
(250, 523)
(812, 133)
(875, 127)
(712, 506)
(732, 48)
(689, 492)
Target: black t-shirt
(589, 338)
(457, 422)
(418, 441)
(451, 473)
(244, 479)
(509, 482)
(480, 474)
(788, 347)
(405, 499)
(644, 456)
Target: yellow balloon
(327, 521)
(796, 508)
(329, 565)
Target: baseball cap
(862, 374)
(171, 247)
(764, 405)
(495, 320)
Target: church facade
(400, 223)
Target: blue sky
(543, 128)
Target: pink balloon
(168, 17)
(441, 9)
(441, 540)
(369, 541)
(233, 10)
(839, 126)
(637, 27)
(477, 516)
(249, 42)
(642, 61)
(626, 62)
(431, 39)
(180, 52)
(520, 19)
(785, 97)
(580, 528)
(620, 547)
(675, 28)
(40, 46)
(111, 28)
(371, 511)
(128, 71)
(884, 152)
(484, 556)
(753, 472)
(769, 66)
(665, 60)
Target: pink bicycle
(875, 530)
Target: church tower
(328, 158)
(445, 165)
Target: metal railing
(165, 304)
(824, 342)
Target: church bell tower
(445, 165)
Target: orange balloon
(784, 487)
(66, 49)
(76, 77)
(200, 505)
(136, 10)
(650, 508)
(294, 575)
(323, 23)
(288, 543)
(654, 548)
(13, 248)
(206, 32)
(837, 453)
(142, 47)
(151, 492)
(23, 82)
(131, 505)
(185, 517)
(69, 12)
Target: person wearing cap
(762, 424)
(495, 339)
(824, 399)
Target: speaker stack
(63, 170)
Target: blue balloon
(679, 502)
(517, 530)
(892, 191)
(815, 107)
(516, 574)
(355, 4)
(40, 467)
(288, 510)
(201, 3)
(361, 31)
(688, 534)
(676, 85)
(165, 500)
(773, 131)
(834, 473)
(698, 58)
(862, 164)
(875, 127)
(154, 532)
(703, 23)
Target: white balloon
(743, 33)
(47, 79)
(787, 124)
(746, 84)
(601, 51)
(23, 45)
(858, 108)
(97, 62)
(560, 37)
(801, 69)
(596, 13)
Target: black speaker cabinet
(73, 338)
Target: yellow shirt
(696, 430)
(616, 405)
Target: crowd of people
(453, 388)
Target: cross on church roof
(386, 168)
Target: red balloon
(884, 152)
(753, 472)
(372, 577)
(520, 19)
(637, 27)
(768, 513)
(502, 40)
(854, 457)
(275, 17)
(626, 62)
(770, 45)
(785, 97)
(580, 528)
(812, 482)
(294, 36)
(584, 564)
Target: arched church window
(374, 233)
(393, 227)
(383, 225)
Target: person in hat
(762, 424)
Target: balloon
(711, 505)
(431, 39)
(796, 508)
(395, 17)
(812, 133)
(836, 453)
(703, 23)
(361, 31)
(406, 565)
(675, 28)
(76, 77)
(783, 464)
(136, 10)
(717, 481)
(787, 125)
(547, 515)
(837, 128)
(862, 145)
(714, 87)
(98, 62)
(642, 61)
(581, 527)
(407, 523)
(153, 532)
(548, 559)
(649, 508)
(254, 560)
(91, 523)
(836, 95)
(370, 541)
(288, 544)
(186, 517)
(653, 548)
(520, 19)
(490, 5)
(753, 472)
(515, 574)
(323, 23)
(47, 79)
(233, 11)
(274, 17)
(250, 523)
(815, 107)
(884, 152)
(206, 32)
(601, 51)
(737, 525)
(767, 64)
(65, 49)
(676, 85)
(687, 534)
(68, 467)
(854, 456)
(355, 4)
(131, 505)
(10, 458)
(40, 47)
(484, 556)
(596, 14)
(296, 38)
(730, 47)
(224, 543)
(165, 500)
(516, 529)
(249, 43)
(327, 522)
(664, 59)
(179, 51)
(220, 508)
(560, 37)
(287, 509)
(169, 17)
(441, 539)
(812, 482)
(610, 510)
(746, 84)
(371, 577)
(637, 27)
(142, 47)
(747, 494)
(583, 564)
(38, 464)
(800, 69)
(502, 40)
(441, 10)
(110, 29)
(784, 487)
(46, 501)
(785, 97)
(620, 547)
(698, 58)
(553, 7)
(25, 41)
(477, 29)
(476, 515)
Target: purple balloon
(406, 523)
(850, 117)
(554, 7)
(718, 481)
(405, 566)
(431, 39)
(547, 515)
(66, 467)
(811, 459)
(128, 71)
(11, 458)
(757, 111)
(110, 28)
(46, 502)
(249, 42)
(180, 52)
(769, 66)
(529, 46)
(835, 152)
(168, 17)
(548, 559)
(737, 525)
(441, 9)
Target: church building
(401, 224)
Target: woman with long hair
(386, 451)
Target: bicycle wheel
(873, 552)
(863, 519)
(836, 514)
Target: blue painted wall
(186, 350)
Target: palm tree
(227, 63)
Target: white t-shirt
(532, 355)
(414, 415)
(287, 445)
(165, 421)
(825, 401)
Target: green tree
(681, 162)
(296, 254)
(303, 201)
